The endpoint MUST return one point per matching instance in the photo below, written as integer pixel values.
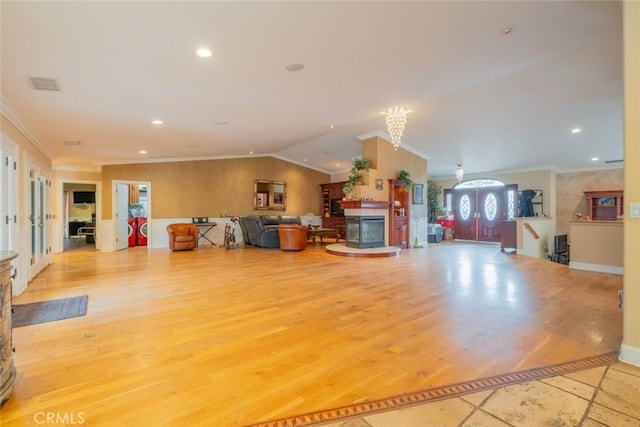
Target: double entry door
(479, 213)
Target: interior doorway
(79, 203)
(479, 207)
(132, 214)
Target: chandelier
(396, 119)
(459, 173)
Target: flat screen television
(82, 197)
(336, 209)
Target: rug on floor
(48, 311)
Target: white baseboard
(629, 354)
(596, 267)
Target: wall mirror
(270, 195)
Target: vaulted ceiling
(492, 85)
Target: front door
(465, 206)
(489, 213)
(480, 209)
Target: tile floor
(602, 396)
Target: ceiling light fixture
(576, 130)
(396, 120)
(595, 159)
(507, 30)
(156, 122)
(142, 152)
(204, 53)
(294, 67)
(459, 173)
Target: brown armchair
(293, 237)
(182, 237)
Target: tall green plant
(433, 191)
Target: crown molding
(12, 115)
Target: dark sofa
(262, 230)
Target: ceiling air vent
(44, 83)
(614, 161)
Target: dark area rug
(48, 311)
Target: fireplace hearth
(364, 232)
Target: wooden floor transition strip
(440, 393)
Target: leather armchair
(293, 237)
(182, 236)
(254, 232)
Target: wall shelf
(604, 205)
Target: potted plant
(360, 164)
(404, 179)
(355, 177)
(348, 189)
(433, 190)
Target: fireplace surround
(364, 232)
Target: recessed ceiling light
(331, 126)
(294, 67)
(156, 122)
(507, 30)
(204, 53)
(250, 152)
(142, 152)
(576, 130)
(595, 159)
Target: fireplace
(364, 232)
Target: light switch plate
(634, 210)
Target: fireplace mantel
(364, 204)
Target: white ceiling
(486, 100)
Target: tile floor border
(440, 393)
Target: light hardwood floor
(222, 337)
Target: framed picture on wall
(417, 194)
(278, 198)
(262, 200)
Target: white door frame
(114, 225)
(36, 262)
(58, 235)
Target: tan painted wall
(571, 188)
(597, 243)
(387, 163)
(214, 187)
(544, 180)
(631, 320)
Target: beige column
(630, 349)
